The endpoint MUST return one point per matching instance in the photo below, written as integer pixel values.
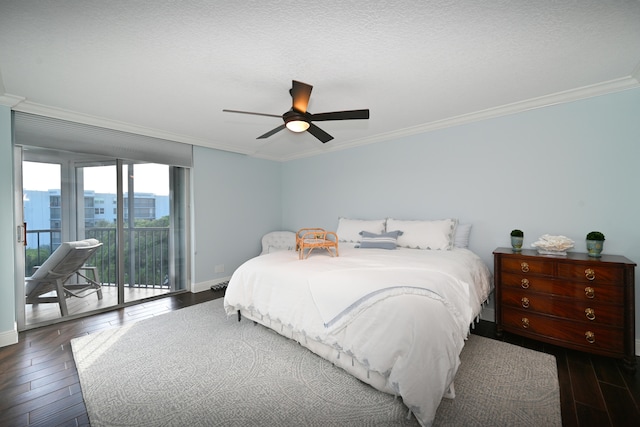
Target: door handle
(21, 233)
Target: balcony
(146, 268)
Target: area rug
(197, 367)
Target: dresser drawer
(580, 311)
(591, 273)
(589, 337)
(527, 266)
(581, 291)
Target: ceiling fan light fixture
(297, 125)
(298, 119)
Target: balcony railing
(146, 254)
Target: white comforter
(403, 314)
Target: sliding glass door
(134, 224)
(138, 211)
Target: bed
(394, 309)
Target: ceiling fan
(298, 119)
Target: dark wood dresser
(573, 301)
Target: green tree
(150, 246)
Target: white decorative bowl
(553, 245)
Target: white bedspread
(403, 314)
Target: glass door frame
(20, 239)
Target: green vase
(594, 248)
(516, 243)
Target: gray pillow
(386, 240)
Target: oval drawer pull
(524, 283)
(590, 313)
(524, 266)
(590, 274)
(590, 292)
(590, 337)
(525, 322)
(525, 302)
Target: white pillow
(436, 235)
(461, 238)
(349, 229)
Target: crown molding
(585, 92)
(73, 116)
(10, 100)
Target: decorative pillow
(349, 229)
(379, 241)
(436, 235)
(461, 238)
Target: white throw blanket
(340, 295)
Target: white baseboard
(205, 286)
(9, 337)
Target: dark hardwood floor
(39, 384)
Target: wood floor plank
(35, 374)
(9, 355)
(632, 382)
(106, 323)
(567, 399)
(68, 418)
(149, 312)
(33, 404)
(620, 404)
(82, 420)
(607, 371)
(10, 394)
(19, 420)
(39, 392)
(585, 385)
(64, 409)
(30, 373)
(60, 375)
(589, 416)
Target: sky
(149, 178)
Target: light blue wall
(8, 333)
(564, 169)
(236, 200)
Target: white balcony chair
(65, 263)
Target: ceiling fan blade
(341, 115)
(252, 113)
(300, 92)
(319, 133)
(271, 132)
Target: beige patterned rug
(197, 367)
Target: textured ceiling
(168, 68)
